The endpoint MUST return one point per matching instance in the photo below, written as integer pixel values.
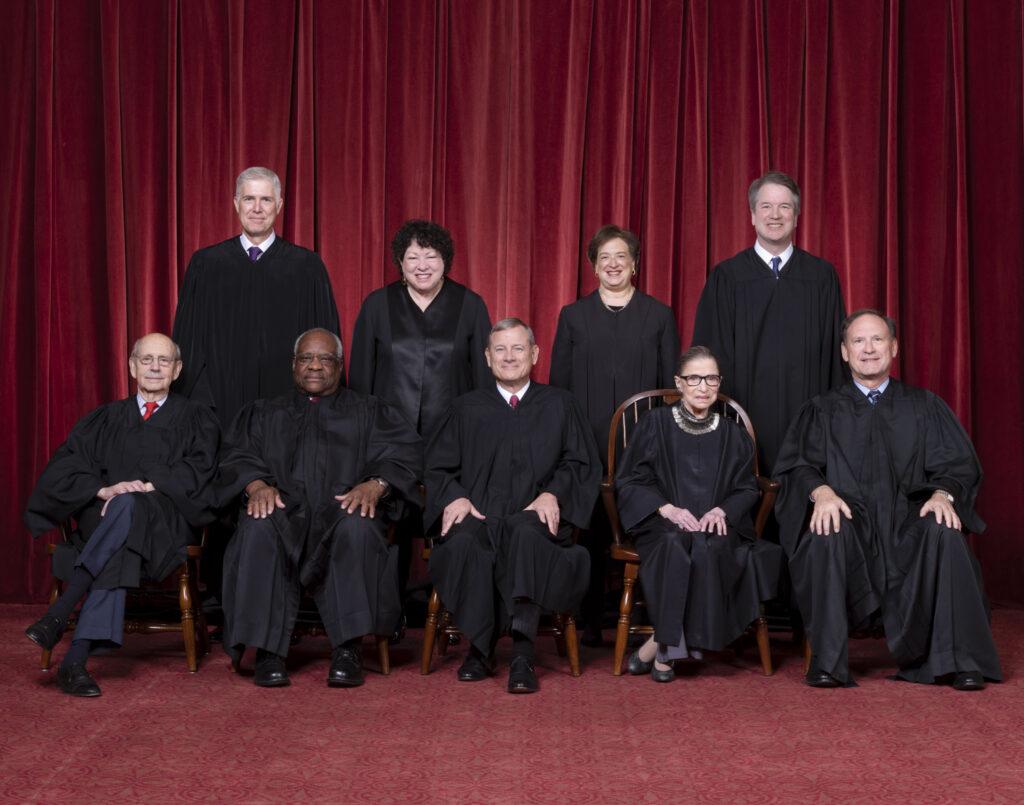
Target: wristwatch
(385, 486)
(946, 495)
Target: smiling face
(422, 268)
(155, 365)
(698, 399)
(257, 206)
(511, 357)
(316, 367)
(774, 217)
(870, 349)
(614, 265)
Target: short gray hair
(337, 341)
(258, 174)
(511, 323)
(135, 347)
(867, 311)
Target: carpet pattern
(724, 733)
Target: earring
(632, 272)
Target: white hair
(337, 341)
(135, 346)
(258, 174)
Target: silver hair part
(135, 347)
(510, 324)
(337, 341)
(258, 174)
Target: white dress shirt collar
(248, 244)
(767, 256)
(507, 395)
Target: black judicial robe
(312, 451)
(605, 357)
(237, 321)
(777, 341)
(420, 360)
(175, 450)
(885, 461)
(705, 586)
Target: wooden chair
(192, 620)
(623, 421)
(439, 625)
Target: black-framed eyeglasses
(694, 380)
(306, 358)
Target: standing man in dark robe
(134, 474)
(324, 470)
(511, 470)
(890, 479)
(771, 314)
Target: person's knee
(122, 504)
(351, 530)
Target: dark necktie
(776, 263)
(874, 396)
(513, 401)
(150, 408)
(255, 252)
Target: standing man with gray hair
(771, 315)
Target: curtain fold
(523, 127)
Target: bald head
(155, 363)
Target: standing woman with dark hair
(419, 342)
(608, 346)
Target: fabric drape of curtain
(523, 127)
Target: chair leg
(559, 634)
(44, 659)
(384, 654)
(764, 647)
(572, 644)
(188, 625)
(625, 609)
(807, 655)
(202, 630)
(430, 630)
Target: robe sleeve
(72, 477)
(714, 326)
(837, 372)
(188, 333)
(241, 456)
(578, 474)
(741, 482)
(482, 376)
(442, 476)
(394, 452)
(800, 468)
(188, 480)
(362, 367)
(668, 352)
(638, 486)
(561, 354)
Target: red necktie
(513, 401)
(150, 408)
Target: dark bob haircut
(693, 354)
(428, 235)
(610, 232)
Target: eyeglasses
(162, 361)
(694, 380)
(306, 358)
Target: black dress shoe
(521, 677)
(662, 676)
(638, 667)
(969, 680)
(46, 633)
(74, 680)
(270, 671)
(817, 678)
(346, 668)
(475, 667)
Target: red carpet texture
(722, 734)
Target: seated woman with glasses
(686, 488)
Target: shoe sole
(523, 690)
(92, 694)
(344, 683)
(282, 683)
(39, 641)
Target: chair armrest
(769, 490)
(612, 510)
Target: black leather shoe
(638, 667)
(817, 678)
(969, 680)
(521, 677)
(74, 680)
(474, 668)
(662, 676)
(346, 668)
(46, 633)
(270, 671)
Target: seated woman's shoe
(969, 680)
(638, 667)
(662, 676)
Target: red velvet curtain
(522, 126)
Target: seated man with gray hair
(135, 476)
(511, 470)
(324, 470)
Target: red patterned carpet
(727, 734)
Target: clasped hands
(545, 504)
(108, 493)
(263, 499)
(712, 522)
(825, 519)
